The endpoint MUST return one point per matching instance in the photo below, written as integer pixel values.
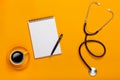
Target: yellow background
(70, 15)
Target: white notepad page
(44, 36)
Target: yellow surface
(70, 15)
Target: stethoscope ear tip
(98, 3)
(109, 10)
(93, 71)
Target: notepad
(44, 36)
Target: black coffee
(17, 57)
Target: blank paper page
(44, 36)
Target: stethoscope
(92, 70)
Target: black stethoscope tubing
(89, 41)
(92, 69)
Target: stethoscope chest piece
(93, 71)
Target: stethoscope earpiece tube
(92, 70)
